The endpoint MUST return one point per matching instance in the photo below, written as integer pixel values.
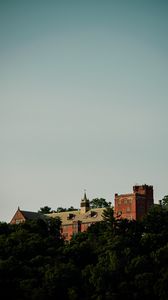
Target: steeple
(84, 204)
(85, 198)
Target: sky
(83, 101)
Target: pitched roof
(31, 215)
(69, 217)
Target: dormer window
(70, 216)
(92, 214)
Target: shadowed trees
(114, 259)
(99, 203)
(45, 210)
(164, 201)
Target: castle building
(78, 220)
(135, 205)
(130, 206)
(72, 221)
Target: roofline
(118, 195)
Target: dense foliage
(99, 202)
(114, 259)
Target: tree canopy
(61, 209)
(99, 203)
(164, 201)
(114, 259)
(45, 210)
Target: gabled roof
(31, 215)
(69, 217)
(22, 215)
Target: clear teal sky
(83, 100)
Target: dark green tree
(71, 208)
(108, 217)
(156, 221)
(113, 259)
(164, 201)
(54, 226)
(45, 210)
(99, 203)
(61, 209)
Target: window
(75, 227)
(119, 213)
(70, 216)
(92, 214)
(18, 221)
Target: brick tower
(135, 205)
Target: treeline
(112, 260)
(94, 203)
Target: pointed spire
(84, 198)
(85, 203)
